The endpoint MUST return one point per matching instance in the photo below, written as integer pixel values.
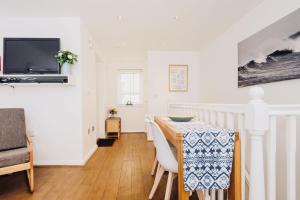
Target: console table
(113, 127)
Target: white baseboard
(66, 162)
(58, 163)
(89, 154)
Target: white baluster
(230, 124)
(213, 194)
(180, 110)
(291, 157)
(221, 194)
(230, 120)
(271, 150)
(212, 118)
(257, 122)
(206, 116)
(220, 123)
(172, 110)
(241, 128)
(190, 111)
(196, 114)
(220, 119)
(201, 118)
(206, 194)
(185, 110)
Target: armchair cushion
(12, 129)
(14, 157)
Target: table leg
(235, 189)
(182, 195)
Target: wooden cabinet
(113, 127)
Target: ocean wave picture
(272, 54)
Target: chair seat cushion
(14, 157)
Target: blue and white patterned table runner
(207, 156)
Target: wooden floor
(118, 172)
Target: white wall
(156, 93)
(57, 116)
(132, 116)
(52, 113)
(101, 98)
(219, 62)
(158, 80)
(89, 92)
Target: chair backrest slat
(12, 129)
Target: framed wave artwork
(272, 54)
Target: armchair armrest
(29, 142)
(30, 171)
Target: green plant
(64, 56)
(112, 111)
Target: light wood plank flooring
(118, 172)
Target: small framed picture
(178, 78)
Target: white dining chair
(149, 130)
(166, 161)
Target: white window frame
(140, 71)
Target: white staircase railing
(254, 121)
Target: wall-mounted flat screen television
(30, 56)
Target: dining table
(175, 137)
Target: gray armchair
(15, 146)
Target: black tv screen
(30, 55)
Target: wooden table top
(172, 134)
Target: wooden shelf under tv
(70, 81)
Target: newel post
(257, 123)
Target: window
(130, 87)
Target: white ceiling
(39, 7)
(129, 28)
